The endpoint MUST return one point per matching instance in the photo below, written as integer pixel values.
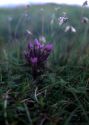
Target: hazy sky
(7, 2)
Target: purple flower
(36, 43)
(33, 60)
(37, 54)
(30, 45)
(48, 47)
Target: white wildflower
(85, 20)
(29, 32)
(62, 20)
(42, 39)
(70, 29)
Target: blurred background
(65, 23)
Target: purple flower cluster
(37, 53)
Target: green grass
(60, 96)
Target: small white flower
(70, 29)
(85, 20)
(29, 32)
(73, 29)
(42, 39)
(62, 20)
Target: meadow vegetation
(44, 65)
